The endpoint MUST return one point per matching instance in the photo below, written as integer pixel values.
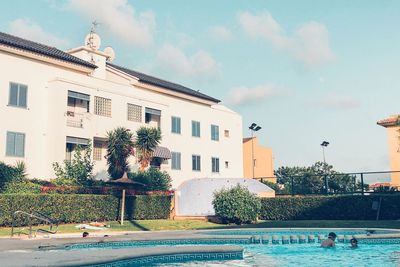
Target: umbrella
(123, 181)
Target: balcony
(75, 119)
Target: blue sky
(306, 71)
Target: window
(102, 106)
(226, 132)
(196, 128)
(215, 164)
(15, 145)
(195, 162)
(176, 125)
(18, 93)
(152, 117)
(175, 160)
(99, 144)
(214, 132)
(71, 143)
(134, 113)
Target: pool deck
(36, 251)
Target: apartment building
(51, 101)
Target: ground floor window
(176, 161)
(215, 164)
(72, 143)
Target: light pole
(253, 128)
(323, 145)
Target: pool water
(311, 255)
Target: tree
(147, 139)
(119, 148)
(78, 171)
(311, 180)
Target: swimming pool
(279, 247)
(311, 255)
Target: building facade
(257, 160)
(52, 101)
(392, 124)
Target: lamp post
(323, 145)
(253, 128)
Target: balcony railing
(74, 119)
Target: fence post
(292, 185)
(362, 183)
(326, 184)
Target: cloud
(253, 95)
(336, 102)
(118, 18)
(199, 65)
(220, 33)
(30, 30)
(309, 44)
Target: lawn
(157, 225)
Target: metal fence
(332, 183)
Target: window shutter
(19, 145)
(13, 99)
(10, 146)
(22, 95)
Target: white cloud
(336, 102)
(200, 65)
(309, 44)
(28, 29)
(253, 95)
(119, 18)
(220, 33)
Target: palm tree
(147, 139)
(119, 148)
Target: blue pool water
(311, 255)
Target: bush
(330, 208)
(22, 187)
(78, 171)
(236, 205)
(8, 174)
(148, 207)
(153, 179)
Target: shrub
(330, 208)
(153, 179)
(236, 205)
(22, 187)
(8, 174)
(78, 171)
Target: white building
(51, 100)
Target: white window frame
(215, 165)
(176, 158)
(18, 105)
(214, 132)
(196, 163)
(175, 125)
(196, 129)
(14, 153)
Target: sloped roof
(391, 121)
(165, 84)
(41, 49)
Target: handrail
(35, 215)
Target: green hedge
(330, 208)
(82, 208)
(148, 207)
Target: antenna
(93, 40)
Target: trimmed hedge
(82, 208)
(330, 208)
(148, 207)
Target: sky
(305, 71)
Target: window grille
(102, 106)
(134, 113)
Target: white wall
(44, 121)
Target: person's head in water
(332, 236)
(85, 234)
(353, 243)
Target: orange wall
(263, 159)
(394, 153)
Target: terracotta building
(260, 157)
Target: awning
(77, 95)
(161, 152)
(153, 111)
(77, 140)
